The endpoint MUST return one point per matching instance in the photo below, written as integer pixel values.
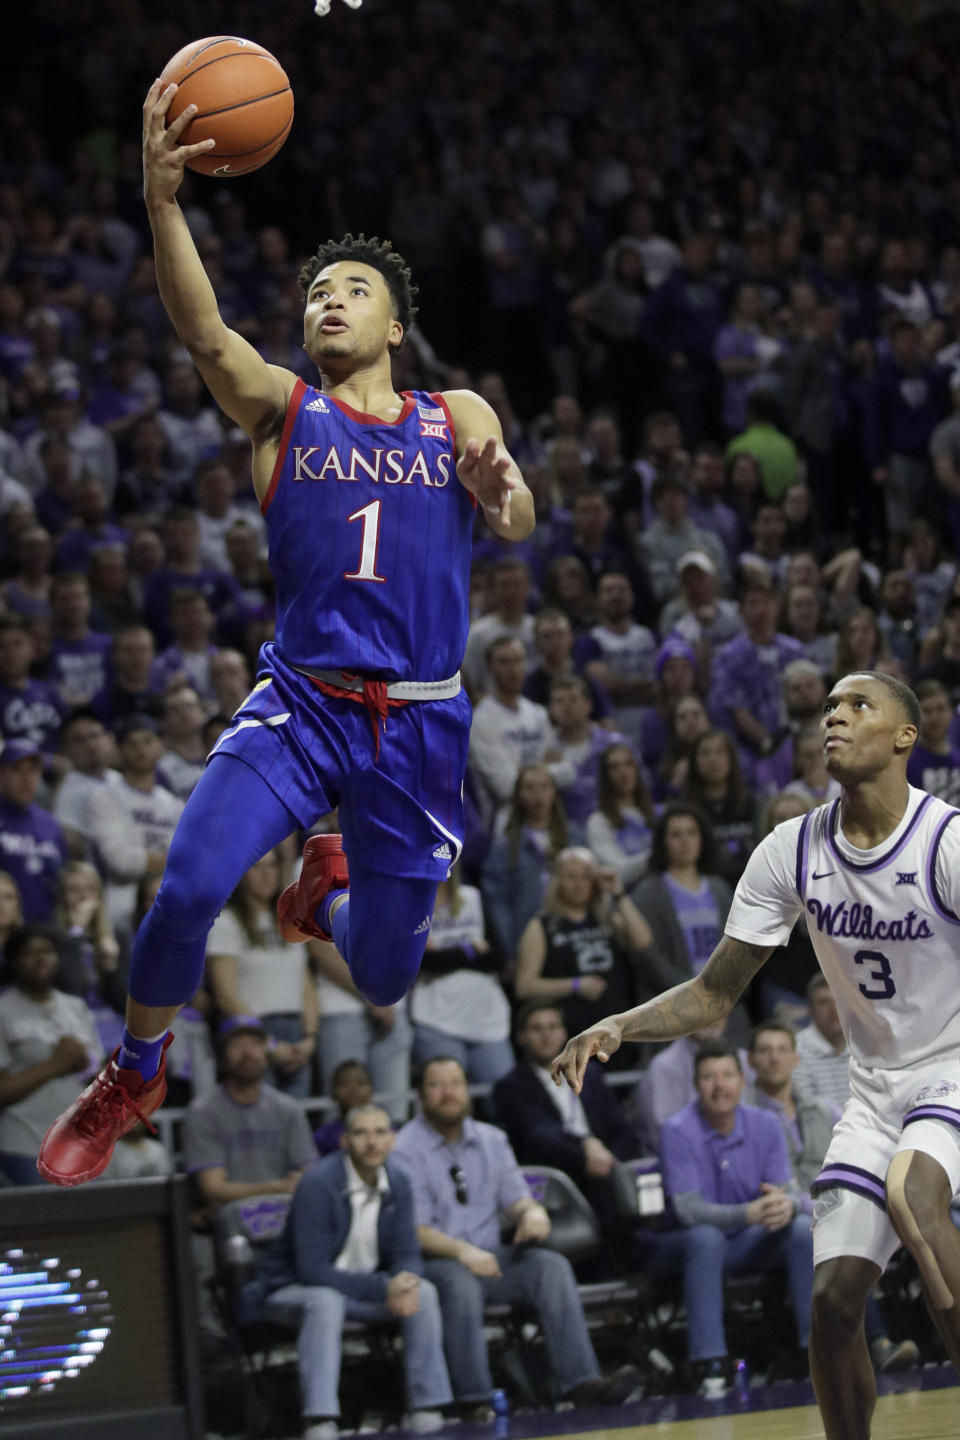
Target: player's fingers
(155, 122)
(151, 96)
(490, 449)
(176, 127)
(201, 148)
(164, 101)
(580, 1068)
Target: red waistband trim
(373, 696)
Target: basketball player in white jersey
(878, 875)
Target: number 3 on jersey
(879, 972)
(367, 569)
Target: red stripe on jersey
(442, 402)
(358, 415)
(288, 421)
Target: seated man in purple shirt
(666, 1085)
(464, 1174)
(727, 1173)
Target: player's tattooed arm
(701, 1001)
(707, 998)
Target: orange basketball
(243, 99)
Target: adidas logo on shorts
(319, 404)
(442, 852)
(423, 927)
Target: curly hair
(376, 253)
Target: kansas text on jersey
(370, 539)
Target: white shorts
(888, 1111)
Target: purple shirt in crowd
(748, 675)
(32, 849)
(723, 1169)
(698, 917)
(901, 409)
(721, 519)
(580, 795)
(684, 313)
(79, 668)
(219, 590)
(76, 546)
(491, 1179)
(33, 713)
(938, 774)
(735, 343)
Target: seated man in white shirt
(349, 1251)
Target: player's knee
(189, 900)
(383, 974)
(379, 989)
(836, 1308)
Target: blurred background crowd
(704, 263)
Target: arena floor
(919, 1405)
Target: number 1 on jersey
(367, 569)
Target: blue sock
(323, 916)
(141, 1055)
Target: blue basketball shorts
(400, 813)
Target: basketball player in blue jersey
(369, 499)
(878, 875)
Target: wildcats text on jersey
(856, 922)
(391, 467)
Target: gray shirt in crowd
(264, 1141)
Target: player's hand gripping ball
(243, 99)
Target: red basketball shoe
(324, 869)
(78, 1146)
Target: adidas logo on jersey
(442, 852)
(423, 927)
(319, 404)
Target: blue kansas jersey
(370, 539)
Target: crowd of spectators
(705, 266)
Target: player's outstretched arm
(486, 468)
(249, 390)
(707, 998)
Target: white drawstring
(322, 7)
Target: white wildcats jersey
(885, 924)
